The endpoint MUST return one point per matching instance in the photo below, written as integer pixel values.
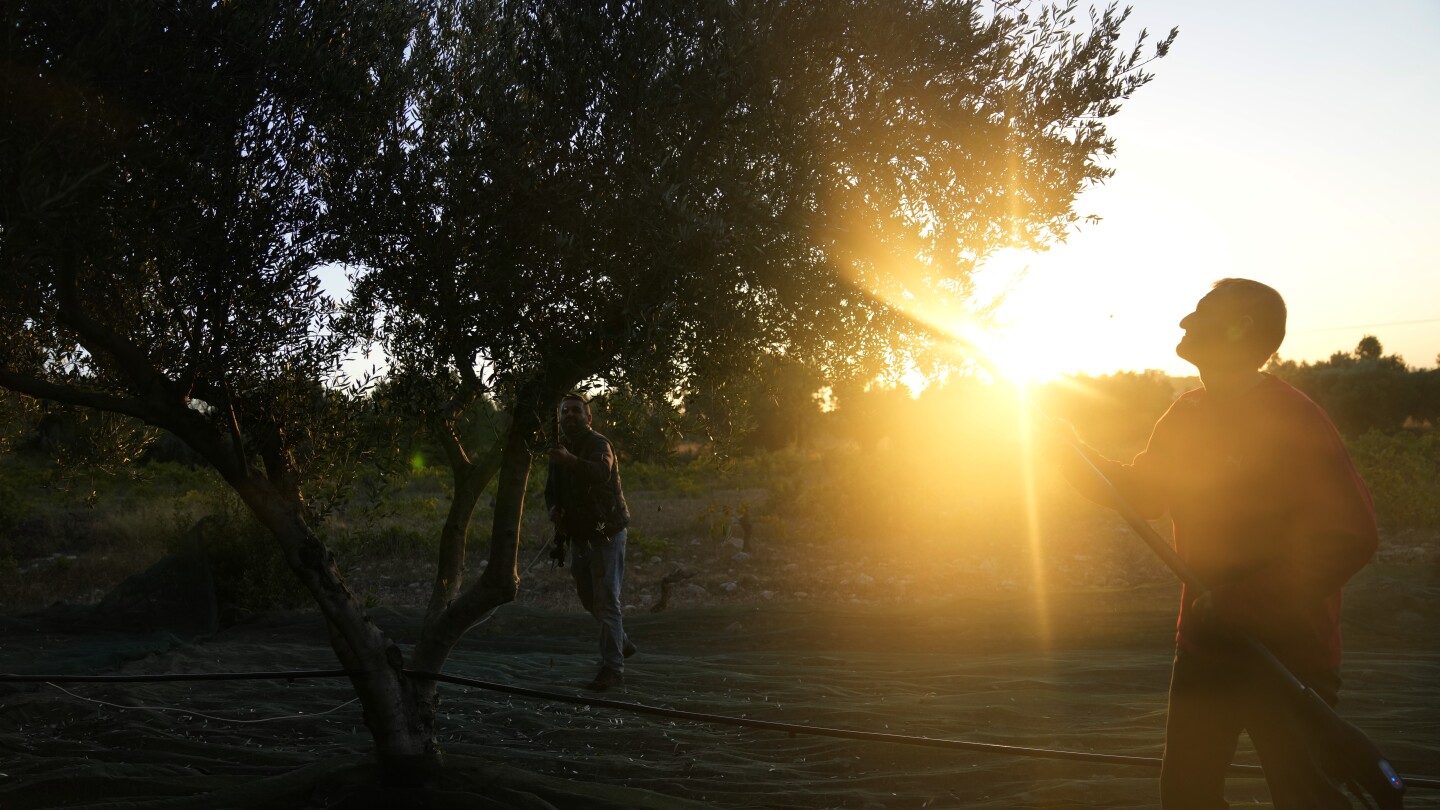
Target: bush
(247, 564)
(1403, 471)
(642, 545)
(390, 541)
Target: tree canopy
(530, 196)
(159, 221)
(649, 193)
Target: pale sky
(1286, 141)
(1290, 142)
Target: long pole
(1346, 753)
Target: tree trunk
(398, 710)
(501, 579)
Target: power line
(1368, 325)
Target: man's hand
(563, 457)
(1203, 613)
(1053, 437)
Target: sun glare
(1012, 343)
(1012, 352)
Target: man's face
(573, 415)
(1215, 333)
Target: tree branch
(74, 395)
(96, 337)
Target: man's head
(1237, 325)
(574, 413)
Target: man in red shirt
(1270, 514)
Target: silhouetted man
(587, 505)
(1270, 514)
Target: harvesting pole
(1345, 753)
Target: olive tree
(531, 196)
(159, 226)
(655, 197)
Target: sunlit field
(909, 569)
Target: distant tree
(642, 428)
(1427, 405)
(1369, 349)
(1113, 410)
(785, 404)
(771, 409)
(870, 413)
(1362, 390)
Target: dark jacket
(589, 492)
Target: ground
(1070, 656)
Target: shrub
(390, 541)
(1403, 471)
(643, 546)
(248, 566)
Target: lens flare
(966, 329)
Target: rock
(655, 560)
(734, 627)
(767, 595)
(740, 557)
(175, 595)
(864, 580)
(729, 587)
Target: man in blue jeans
(587, 506)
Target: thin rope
(1367, 325)
(202, 714)
(822, 731)
(796, 728)
(640, 708)
(294, 675)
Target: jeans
(1212, 699)
(598, 567)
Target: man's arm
(592, 467)
(1137, 482)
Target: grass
(913, 523)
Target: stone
(175, 595)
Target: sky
(1295, 143)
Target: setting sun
(1016, 342)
